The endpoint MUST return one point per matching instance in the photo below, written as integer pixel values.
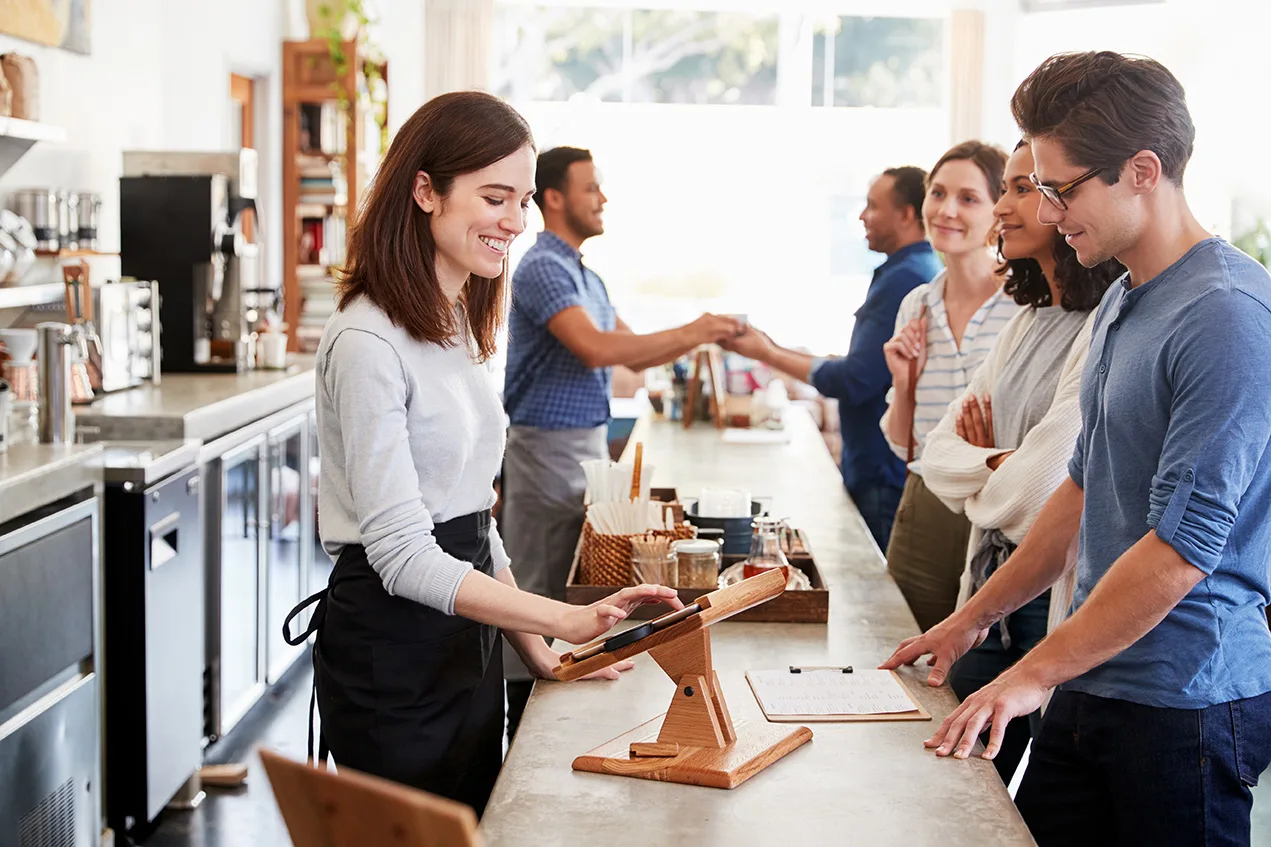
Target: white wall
(106, 102)
(1216, 48)
(158, 78)
(401, 36)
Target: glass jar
(656, 569)
(698, 563)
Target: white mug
(271, 350)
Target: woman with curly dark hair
(1003, 447)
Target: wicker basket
(606, 559)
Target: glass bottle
(765, 554)
(765, 547)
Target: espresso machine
(182, 223)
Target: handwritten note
(829, 692)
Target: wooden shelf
(17, 136)
(21, 296)
(309, 209)
(72, 254)
(309, 78)
(21, 130)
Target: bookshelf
(330, 148)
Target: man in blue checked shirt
(1160, 719)
(564, 339)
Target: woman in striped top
(1003, 447)
(944, 330)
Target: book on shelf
(313, 164)
(322, 128)
(318, 291)
(322, 199)
(312, 271)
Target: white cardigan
(1011, 497)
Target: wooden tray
(791, 607)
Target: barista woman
(408, 662)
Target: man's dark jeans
(1113, 772)
(986, 662)
(877, 505)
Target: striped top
(949, 368)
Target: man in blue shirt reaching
(872, 474)
(1160, 719)
(564, 337)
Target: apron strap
(315, 623)
(319, 602)
(323, 750)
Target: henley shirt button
(1103, 369)
(1115, 327)
(1187, 476)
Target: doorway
(242, 95)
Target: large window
(893, 63)
(637, 55)
(729, 189)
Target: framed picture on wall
(57, 23)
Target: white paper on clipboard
(830, 692)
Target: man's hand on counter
(946, 642)
(1012, 695)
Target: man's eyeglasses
(1055, 194)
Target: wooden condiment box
(791, 607)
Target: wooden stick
(223, 776)
(912, 398)
(635, 474)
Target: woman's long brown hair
(392, 256)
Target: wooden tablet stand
(696, 741)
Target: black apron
(407, 692)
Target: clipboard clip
(802, 668)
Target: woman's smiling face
(958, 209)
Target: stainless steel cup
(57, 424)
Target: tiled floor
(247, 817)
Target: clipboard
(829, 674)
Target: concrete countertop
(143, 463)
(859, 783)
(201, 406)
(34, 475)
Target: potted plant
(1257, 243)
(338, 22)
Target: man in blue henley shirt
(874, 477)
(1161, 718)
